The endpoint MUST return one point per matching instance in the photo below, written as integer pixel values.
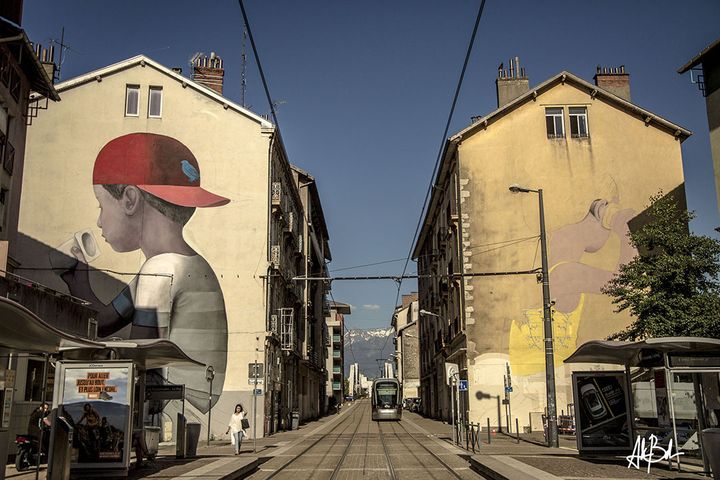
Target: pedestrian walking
(236, 427)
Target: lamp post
(209, 376)
(547, 321)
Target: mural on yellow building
(147, 187)
(582, 257)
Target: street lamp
(425, 312)
(547, 321)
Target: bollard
(530, 421)
(488, 429)
(517, 430)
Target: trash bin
(192, 437)
(61, 438)
(152, 440)
(295, 420)
(711, 445)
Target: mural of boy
(148, 186)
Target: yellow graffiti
(527, 351)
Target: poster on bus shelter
(601, 411)
(96, 400)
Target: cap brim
(185, 196)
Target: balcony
(337, 386)
(336, 353)
(336, 339)
(337, 370)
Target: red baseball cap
(157, 164)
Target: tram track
(425, 447)
(336, 470)
(346, 421)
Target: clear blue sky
(367, 88)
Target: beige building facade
(220, 285)
(598, 158)
(407, 365)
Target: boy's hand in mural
(78, 281)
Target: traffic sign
(257, 391)
(463, 385)
(508, 389)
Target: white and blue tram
(386, 399)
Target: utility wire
(259, 65)
(440, 151)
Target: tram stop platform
(505, 459)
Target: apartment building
(335, 322)
(201, 217)
(407, 360)
(704, 71)
(598, 158)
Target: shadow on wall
(40, 292)
(678, 194)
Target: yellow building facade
(598, 158)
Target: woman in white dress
(235, 427)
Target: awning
(633, 353)
(21, 331)
(151, 353)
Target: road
(353, 446)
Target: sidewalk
(214, 462)
(505, 459)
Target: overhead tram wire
(259, 66)
(440, 151)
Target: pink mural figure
(148, 187)
(582, 260)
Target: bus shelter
(108, 371)
(669, 388)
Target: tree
(671, 288)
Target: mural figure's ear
(131, 200)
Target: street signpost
(463, 385)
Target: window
(578, 122)
(155, 102)
(554, 122)
(132, 100)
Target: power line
(442, 145)
(399, 278)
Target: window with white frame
(554, 122)
(132, 100)
(578, 122)
(155, 102)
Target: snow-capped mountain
(366, 346)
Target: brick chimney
(208, 71)
(615, 80)
(511, 82)
(409, 298)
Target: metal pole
(488, 429)
(517, 430)
(42, 429)
(209, 411)
(457, 407)
(452, 406)
(255, 374)
(547, 322)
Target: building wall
(592, 188)
(232, 151)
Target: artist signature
(649, 451)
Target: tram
(386, 399)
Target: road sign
(257, 391)
(508, 389)
(463, 386)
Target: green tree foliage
(671, 288)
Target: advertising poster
(96, 402)
(601, 410)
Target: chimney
(409, 298)
(615, 80)
(47, 59)
(208, 71)
(511, 82)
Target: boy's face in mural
(120, 219)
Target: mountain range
(364, 347)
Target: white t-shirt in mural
(181, 297)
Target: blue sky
(365, 89)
